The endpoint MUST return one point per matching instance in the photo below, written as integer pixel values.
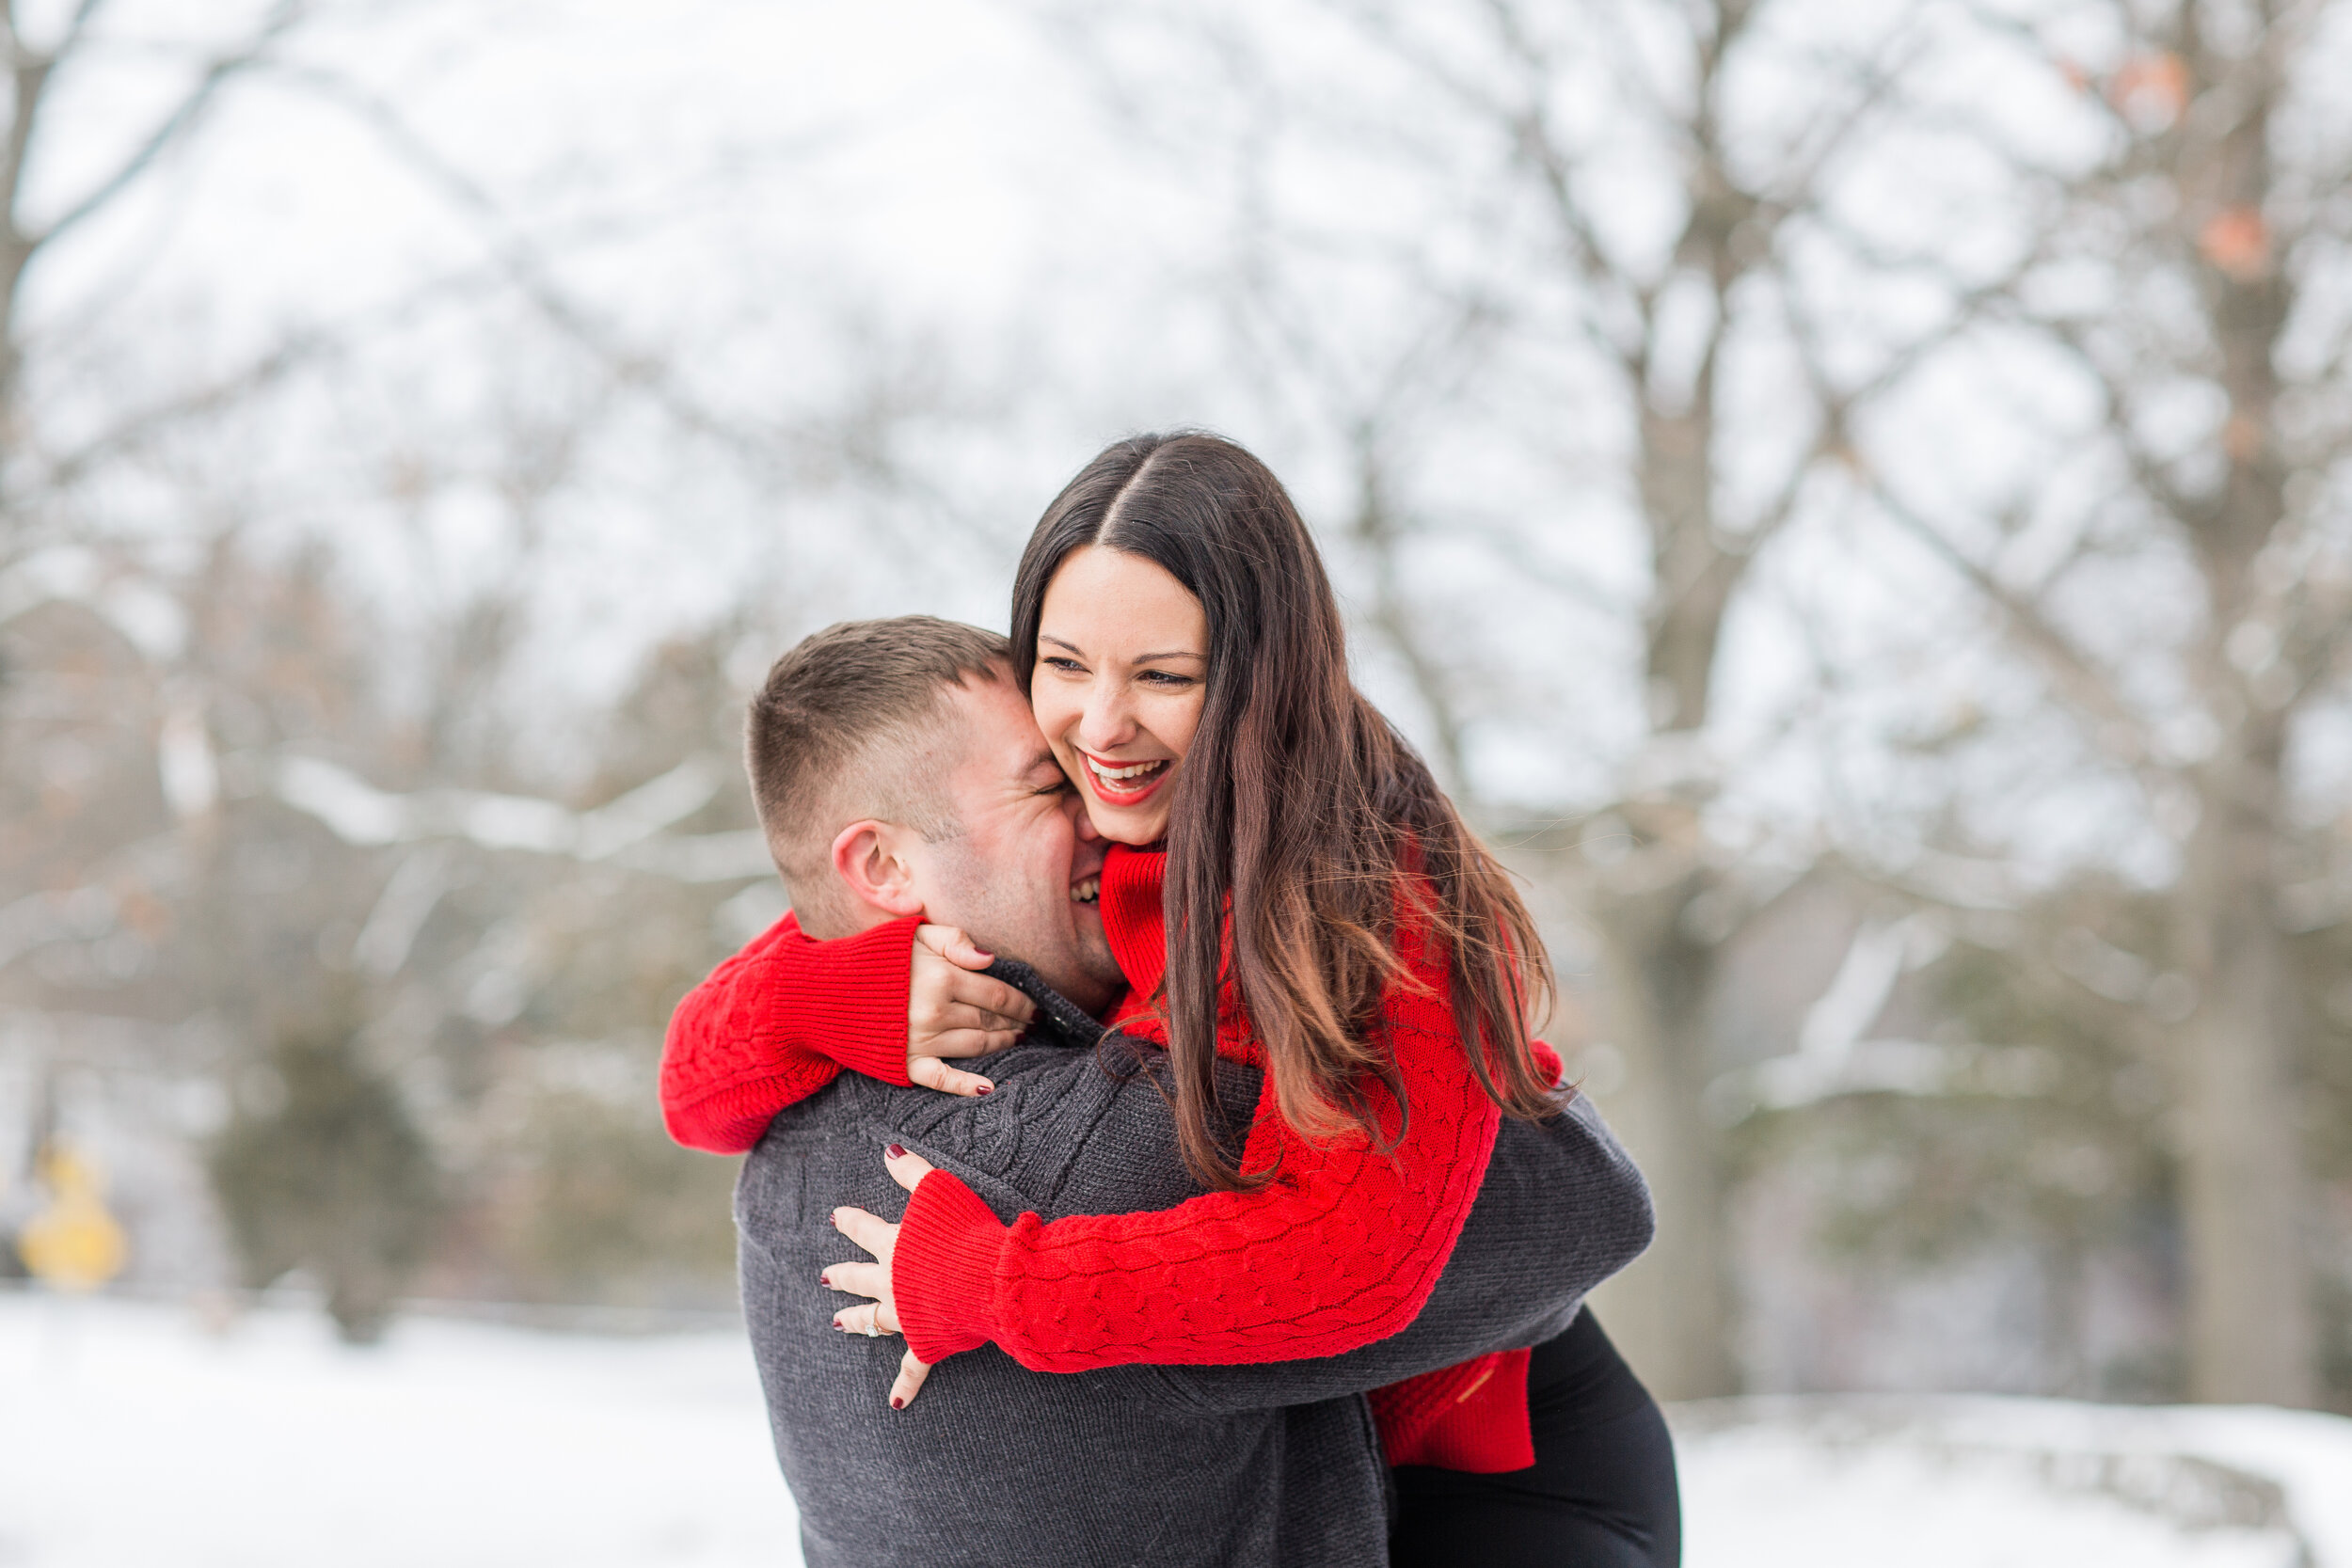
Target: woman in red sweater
(1288, 887)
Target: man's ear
(870, 858)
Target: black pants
(1601, 1490)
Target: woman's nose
(1106, 723)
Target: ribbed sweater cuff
(943, 1273)
(848, 1001)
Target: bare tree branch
(527, 270)
(217, 74)
(77, 28)
(2079, 677)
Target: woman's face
(1122, 666)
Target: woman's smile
(1125, 784)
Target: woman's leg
(1602, 1490)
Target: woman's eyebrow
(1139, 659)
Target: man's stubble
(1015, 917)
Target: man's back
(1230, 1465)
(997, 1463)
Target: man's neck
(833, 919)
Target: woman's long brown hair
(1303, 804)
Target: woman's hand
(880, 1238)
(953, 1012)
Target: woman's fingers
(935, 1000)
(963, 1044)
(906, 1169)
(872, 1321)
(961, 1019)
(878, 1237)
(933, 1073)
(872, 1231)
(910, 1381)
(953, 1012)
(987, 993)
(857, 1279)
(973, 1033)
(952, 945)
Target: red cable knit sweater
(1341, 1249)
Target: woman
(1287, 887)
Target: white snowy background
(780, 198)
(134, 1434)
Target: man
(900, 775)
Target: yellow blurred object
(72, 1244)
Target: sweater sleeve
(774, 1024)
(1341, 1249)
(1563, 1207)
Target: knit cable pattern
(1339, 1250)
(774, 1024)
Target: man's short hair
(830, 735)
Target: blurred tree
(1654, 207)
(601, 1207)
(479, 945)
(2324, 966)
(46, 57)
(323, 1168)
(1615, 208)
(2029, 1122)
(284, 726)
(2182, 284)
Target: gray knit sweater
(1167, 1465)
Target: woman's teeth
(1086, 890)
(1122, 775)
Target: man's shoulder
(1079, 1122)
(1066, 1131)
(1028, 1077)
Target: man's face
(1023, 877)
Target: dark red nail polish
(826, 1280)
(896, 1152)
(897, 1404)
(986, 1088)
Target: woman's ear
(869, 858)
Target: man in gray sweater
(1246, 1465)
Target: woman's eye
(1068, 666)
(1167, 677)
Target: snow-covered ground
(1979, 1482)
(132, 1438)
(132, 1434)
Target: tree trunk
(1675, 1304)
(1671, 1310)
(2250, 1327)
(2250, 1332)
